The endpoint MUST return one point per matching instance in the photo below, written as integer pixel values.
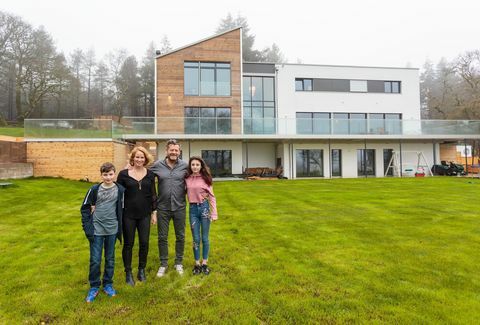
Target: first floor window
(366, 162)
(309, 163)
(302, 84)
(207, 79)
(208, 120)
(219, 161)
(392, 87)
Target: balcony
(253, 128)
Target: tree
(77, 60)
(89, 64)
(165, 45)
(248, 53)
(269, 54)
(147, 80)
(273, 54)
(43, 74)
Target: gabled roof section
(198, 42)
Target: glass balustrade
(145, 126)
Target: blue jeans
(96, 247)
(200, 225)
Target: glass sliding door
(366, 162)
(387, 157)
(309, 163)
(219, 161)
(336, 162)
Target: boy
(102, 223)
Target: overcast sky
(342, 32)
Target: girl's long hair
(204, 170)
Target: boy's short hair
(106, 167)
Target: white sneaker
(161, 271)
(179, 268)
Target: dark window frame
(197, 120)
(303, 80)
(249, 104)
(216, 67)
(390, 84)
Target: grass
(305, 251)
(11, 131)
(67, 133)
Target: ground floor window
(336, 162)
(309, 163)
(366, 162)
(219, 161)
(387, 157)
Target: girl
(140, 209)
(200, 193)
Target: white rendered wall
(290, 101)
(259, 155)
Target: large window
(309, 163)
(259, 105)
(387, 158)
(366, 162)
(208, 120)
(336, 162)
(219, 161)
(206, 79)
(348, 123)
(313, 123)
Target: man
(171, 204)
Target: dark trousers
(96, 248)
(129, 228)
(163, 220)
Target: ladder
(421, 165)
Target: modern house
(308, 120)
(312, 120)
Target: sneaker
(161, 271)
(179, 268)
(197, 269)
(205, 269)
(92, 294)
(108, 289)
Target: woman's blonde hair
(148, 156)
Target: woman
(140, 209)
(203, 210)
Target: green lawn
(306, 251)
(11, 131)
(66, 133)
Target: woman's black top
(140, 196)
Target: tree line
(451, 89)
(39, 81)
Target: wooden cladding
(75, 160)
(171, 100)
